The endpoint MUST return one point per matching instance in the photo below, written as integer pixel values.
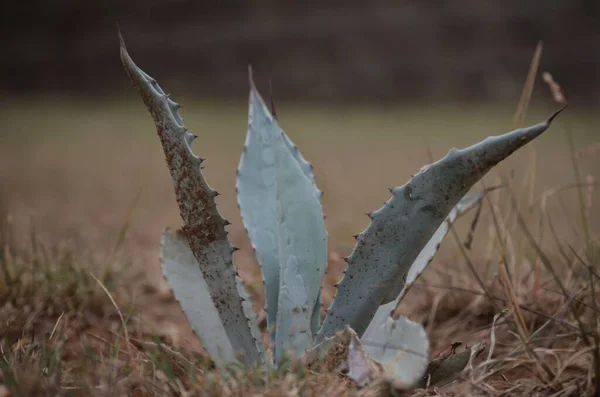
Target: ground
(86, 194)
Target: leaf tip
(121, 40)
(251, 78)
(559, 111)
(273, 110)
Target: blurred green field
(74, 166)
(60, 118)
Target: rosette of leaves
(281, 211)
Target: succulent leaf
(402, 350)
(400, 229)
(204, 226)
(280, 207)
(360, 368)
(293, 317)
(377, 325)
(182, 273)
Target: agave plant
(281, 211)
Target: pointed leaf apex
(273, 111)
(419, 207)
(559, 111)
(121, 40)
(251, 78)
(214, 266)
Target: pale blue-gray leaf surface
(402, 349)
(280, 208)
(204, 226)
(360, 369)
(399, 230)
(182, 273)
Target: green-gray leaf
(182, 273)
(280, 207)
(377, 325)
(203, 224)
(402, 349)
(402, 227)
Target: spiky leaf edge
(203, 224)
(269, 265)
(382, 257)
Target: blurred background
(328, 51)
(370, 92)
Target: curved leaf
(424, 258)
(360, 369)
(402, 227)
(280, 208)
(402, 349)
(182, 273)
(203, 224)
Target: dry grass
(119, 332)
(64, 334)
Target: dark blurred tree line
(378, 50)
